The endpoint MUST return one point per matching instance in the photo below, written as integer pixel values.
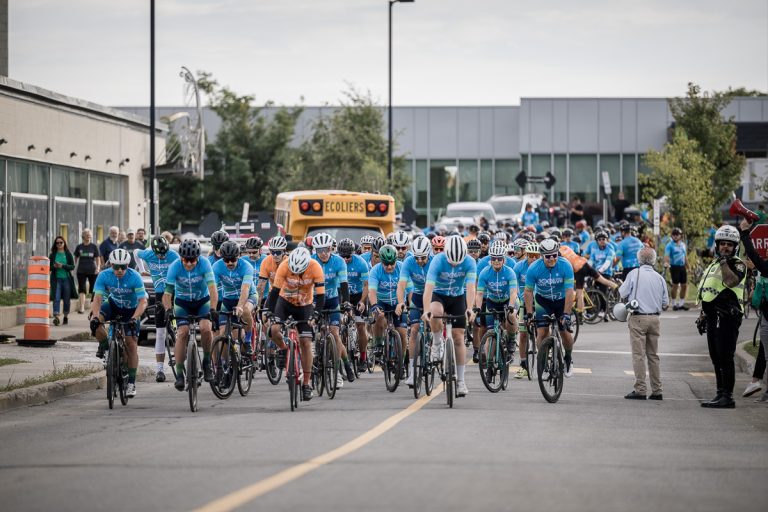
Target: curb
(51, 391)
(744, 361)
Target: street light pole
(152, 169)
(389, 107)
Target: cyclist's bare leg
(567, 340)
(182, 335)
(683, 291)
(458, 345)
(132, 350)
(436, 308)
(413, 332)
(340, 348)
(362, 337)
(206, 335)
(306, 358)
(276, 335)
(580, 299)
(541, 333)
(101, 331)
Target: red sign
(759, 237)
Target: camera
(633, 306)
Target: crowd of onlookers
(84, 264)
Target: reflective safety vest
(712, 284)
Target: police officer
(720, 291)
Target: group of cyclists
(522, 275)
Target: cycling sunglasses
(401, 247)
(550, 256)
(119, 267)
(276, 253)
(189, 260)
(230, 260)
(421, 258)
(437, 249)
(324, 250)
(497, 258)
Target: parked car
(511, 208)
(466, 213)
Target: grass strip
(5, 361)
(68, 372)
(13, 297)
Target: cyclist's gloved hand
(567, 322)
(316, 316)
(215, 321)
(94, 325)
(347, 306)
(138, 324)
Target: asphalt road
(374, 450)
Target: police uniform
(723, 309)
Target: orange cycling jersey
(300, 289)
(268, 269)
(574, 259)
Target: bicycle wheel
(531, 357)
(506, 360)
(192, 373)
(223, 361)
(170, 348)
(290, 375)
(488, 362)
(450, 371)
(576, 325)
(245, 369)
(429, 368)
(330, 366)
(418, 362)
(318, 368)
(112, 371)
(122, 376)
(598, 302)
(395, 359)
(273, 369)
(386, 366)
(550, 371)
(612, 298)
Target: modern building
(66, 164)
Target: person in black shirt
(109, 244)
(87, 264)
(577, 210)
(131, 244)
(619, 206)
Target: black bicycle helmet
(474, 245)
(378, 242)
(218, 238)
(189, 249)
(484, 238)
(346, 247)
(160, 245)
(229, 250)
(254, 243)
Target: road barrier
(37, 328)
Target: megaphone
(738, 209)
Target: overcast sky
(446, 52)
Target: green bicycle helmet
(387, 254)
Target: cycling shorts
(453, 306)
(548, 307)
(301, 314)
(228, 305)
(585, 271)
(159, 310)
(355, 299)
(679, 274)
(417, 307)
(111, 311)
(185, 308)
(335, 317)
(397, 320)
(493, 307)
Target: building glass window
(584, 177)
(561, 178)
(540, 166)
(468, 180)
(420, 180)
(442, 185)
(505, 173)
(628, 176)
(486, 179)
(70, 183)
(105, 188)
(408, 171)
(610, 164)
(27, 178)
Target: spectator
(131, 245)
(87, 265)
(619, 206)
(530, 217)
(176, 239)
(544, 210)
(649, 289)
(121, 237)
(108, 245)
(577, 210)
(675, 259)
(62, 282)
(168, 236)
(141, 236)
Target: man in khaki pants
(649, 289)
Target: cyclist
(372, 257)
(521, 269)
(567, 241)
(550, 281)
(190, 289)
(581, 270)
(297, 281)
(159, 258)
(675, 258)
(450, 289)
(601, 257)
(217, 238)
(253, 249)
(336, 294)
(485, 240)
(627, 251)
(126, 299)
(473, 248)
(401, 242)
(234, 277)
(268, 269)
(357, 277)
(580, 234)
(414, 271)
(438, 244)
(382, 295)
(365, 243)
(497, 288)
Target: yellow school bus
(340, 213)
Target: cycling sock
(460, 372)
(206, 357)
(160, 340)
(160, 365)
(103, 345)
(132, 375)
(363, 356)
(248, 336)
(568, 355)
(179, 368)
(345, 360)
(524, 364)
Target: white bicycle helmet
(366, 240)
(520, 244)
(532, 248)
(501, 235)
(299, 260)
(455, 249)
(727, 233)
(278, 243)
(549, 246)
(401, 239)
(497, 249)
(119, 257)
(422, 246)
(322, 241)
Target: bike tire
(192, 374)
(599, 303)
(429, 368)
(331, 366)
(318, 368)
(531, 357)
(170, 349)
(392, 361)
(290, 375)
(487, 363)
(386, 367)
(450, 371)
(223, 364)
(245, 369)
(274, 370)
(112, 369)
(550, 374)
(418, 356)
(576, 325)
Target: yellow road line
(253, 491)
(629, 372)
(702, 374)
(586, 371)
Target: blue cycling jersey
(367, 257)
(256, 264)
(602, 259)
(385, 283)
(521, 269)
(415, 274)
(212, 258)
(573, 245)
(192, 284)
(497, 286)
(591, 247)
(357, 274)
(449, 280)
(550, 283)
(628, 252)
(583, 237)
(530, 218)
(335, 271)
(158, 268)
(485, 262)
(230, 281)
(676, 253)
(125, 291)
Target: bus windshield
(339, 233)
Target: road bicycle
(494, 358)
(228, 367)
(551, 363)
(348, 334)
(448, 366)
(423, 368)
(390, 355)
(326, 360)
(265, 352)
(194, 364)
(117, 361)
(293, 370)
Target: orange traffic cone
(37, 329)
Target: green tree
(699, 116)
(683, 174)
(348, 150)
